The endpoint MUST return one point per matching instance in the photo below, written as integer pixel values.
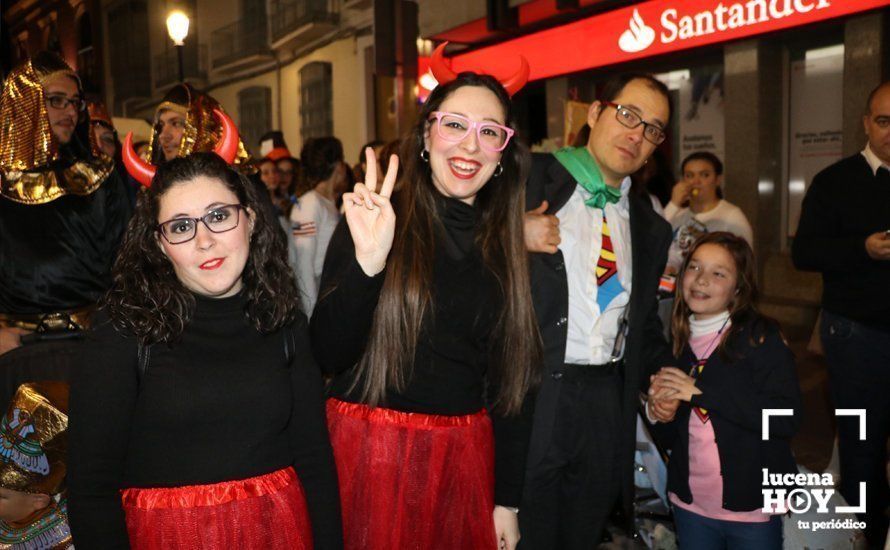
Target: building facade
(298, 66)
(70, 28)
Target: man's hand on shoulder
(541, 230)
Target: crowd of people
(447, 346)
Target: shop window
(815, 122)
(254, 106)
(316, 101)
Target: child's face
(16, 506)
(709, 283)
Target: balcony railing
(166, 64)
(290, 15)
(239, 40)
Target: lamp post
(178, 29)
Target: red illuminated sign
(648, 29)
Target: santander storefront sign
(652, 28)
(683, 26)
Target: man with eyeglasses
(594, 285)
(64, 105)
(63, 211)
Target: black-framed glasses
(61, 102)
(453, 127)
(219, 220)
(653, 133)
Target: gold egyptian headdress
(33, 169)
(226, 148)
(34, 439)
(202, 130)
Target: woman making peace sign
(426, 322)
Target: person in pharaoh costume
(33, 448)
(63, 211)
(185, 124)
(103, 130)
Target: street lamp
(178, 29)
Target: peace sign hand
(370, 217)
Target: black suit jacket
(646, 349)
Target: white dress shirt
(872, 159)
(591, 333)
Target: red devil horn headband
(444, 74)
(143, 172)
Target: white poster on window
(701, 112)
(816, 125)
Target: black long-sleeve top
(843, 206)
(450, 374)
(223, 404)
(758, 373)
(57, 256)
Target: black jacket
(646, 349)
(757, 376)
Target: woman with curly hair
(425, 319)
(197, 416)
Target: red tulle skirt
(263, 512)
(413, 481)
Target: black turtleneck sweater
(451, 364)
(223, 404)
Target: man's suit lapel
(559, 187)
(643, 236)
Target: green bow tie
(583, 168)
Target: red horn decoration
(444, 74)
(141, 171)
(227, 147)
(518, 80)
(441, 71)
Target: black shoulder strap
(290, 343)
(143, 353)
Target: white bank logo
(810, 489)
(638, 37)
(724, 17)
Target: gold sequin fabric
(202, 131)
(28, 146)
(34, 439)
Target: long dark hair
(148, 300)
(406, 294)
(319, 157)
(743, 307)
